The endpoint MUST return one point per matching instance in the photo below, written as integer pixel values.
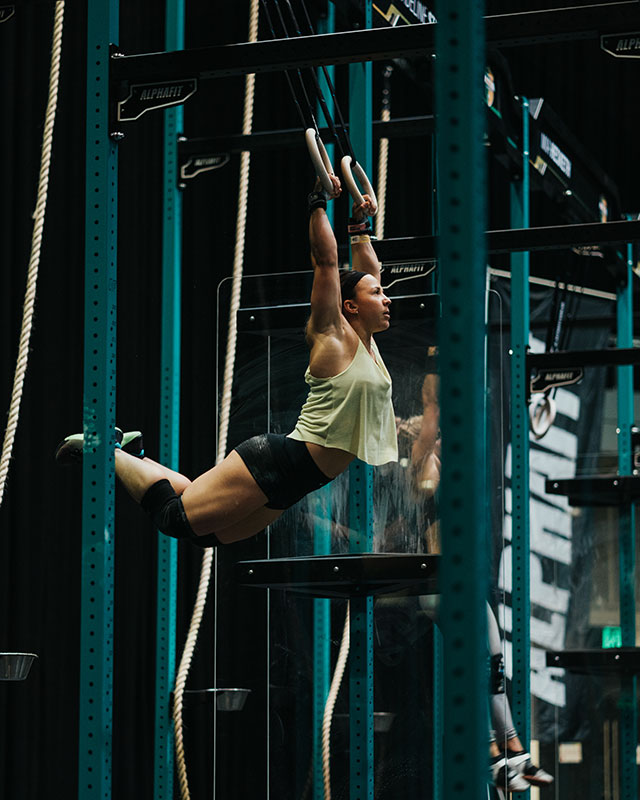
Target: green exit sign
(612, 636)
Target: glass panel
(284, 646)
(297, 638)
(578, 713)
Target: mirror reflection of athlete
(511, 766)
(348, 412)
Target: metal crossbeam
(402, 127)
(550, 237)
(585, 358)
(377, 44)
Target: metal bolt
(423, 566)
(250, 572)
(117, 136)
(421, 305)
(555, 485)
(336, 569)
(615, 483)
(182, 138)
(252, 318)
(182, 186)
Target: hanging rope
(223, 429)
(341, 663)
(383, 154)
(36, 245)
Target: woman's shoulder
(331, 353)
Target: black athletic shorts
(282, 468)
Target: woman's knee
(167, 513)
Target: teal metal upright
(169, 421)
(322, 528)
(520, 589)
(96, 618)
(361, 641)
(361, 498)
(627, 542)
(460, 116)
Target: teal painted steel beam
(437, 722)
(322, 528)
(361, 640)
(460, 116)
(361, 498)
(166, 591)
(627, 541)
(96, 618)
(520, 549)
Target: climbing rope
(383, 154)
(225, 406)
(338, 673)
(36, 246)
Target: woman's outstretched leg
(137, 475)
(224, 501)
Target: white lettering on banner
(552, 541)
(555, 154)
(419, 10)
(551, 530)
(547, 683)
(569, 402)
(537, 486)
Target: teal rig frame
(461, 248)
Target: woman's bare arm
(363, 256)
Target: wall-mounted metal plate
(356, 575)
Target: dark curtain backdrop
(40, 515)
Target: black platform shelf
(608, 661)
(353, 575)
(597, 490)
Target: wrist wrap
(317, 200)
(362, 227)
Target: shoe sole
(68, 453)
(538, 781)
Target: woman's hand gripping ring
(321, 161)
(350, 169)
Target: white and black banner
(561, 536)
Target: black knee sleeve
(165, 508)
(496, 678)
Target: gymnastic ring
(542, 414)
(320, 159)
(351, 185)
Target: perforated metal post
(361, 641)
(361, 500)
(520, 591)
(437, 721)
(322, 528)
(627, 542)
(96, 620)
(169, 421)
(461, 251)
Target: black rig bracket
(353, 575)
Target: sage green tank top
(352, 411)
